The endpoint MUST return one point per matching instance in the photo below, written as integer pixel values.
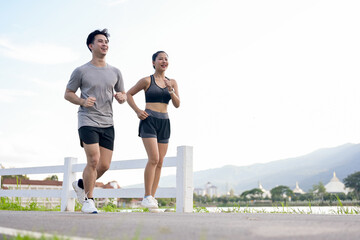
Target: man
(97, 81)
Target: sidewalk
(200, 226)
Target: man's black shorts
(104, 136)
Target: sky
(259, 80)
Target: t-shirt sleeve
(119, 86)
(75, 80)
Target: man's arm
(120, 97)
(73, 98)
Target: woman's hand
(168, 84)
(142, 114)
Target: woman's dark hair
(154, 56)
(90, 39)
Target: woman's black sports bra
(157, 94)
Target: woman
(154, 128)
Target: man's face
(100, 45)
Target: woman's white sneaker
(89, 206)
(149, 202)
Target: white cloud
(115, 2)
(9, 95)
(41, 53)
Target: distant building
(26, 184)
(266, 193)
(297, 190)
(336, 186)
(103, 201)
(199, 191)
(211, 190)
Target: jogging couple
(99, 83)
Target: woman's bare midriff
(157, 107)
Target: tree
(353, 181)
(255, 193)
(319, 190)
(53, 178)
(280, 193)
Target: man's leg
(90, 172)
(105, 161)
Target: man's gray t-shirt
(98, 82)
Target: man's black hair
(90, 39)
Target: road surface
(173, 226)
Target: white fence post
(184, 179)
(67, 202)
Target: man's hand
(120, 97)
(89, 102)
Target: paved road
(199, 226)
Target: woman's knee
(154, 161)
(160, 163)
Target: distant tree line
(285, 194)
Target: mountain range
(307, 170)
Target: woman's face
(161, 62)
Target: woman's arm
(174, 93)
(142, 84)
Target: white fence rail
(183, 192)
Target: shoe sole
(155, 210)
(152, 207)
(94, 212)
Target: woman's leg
(162, 147)
(151, 147)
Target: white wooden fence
(183, 192)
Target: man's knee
(93, 161)
(103, 167)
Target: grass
(345, 210)
(285, 209)
(8, 204)
(28, 237)
(14, 205)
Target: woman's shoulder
(144, 82)
(172, 80)
(146, 79)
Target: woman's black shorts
(156, 125)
